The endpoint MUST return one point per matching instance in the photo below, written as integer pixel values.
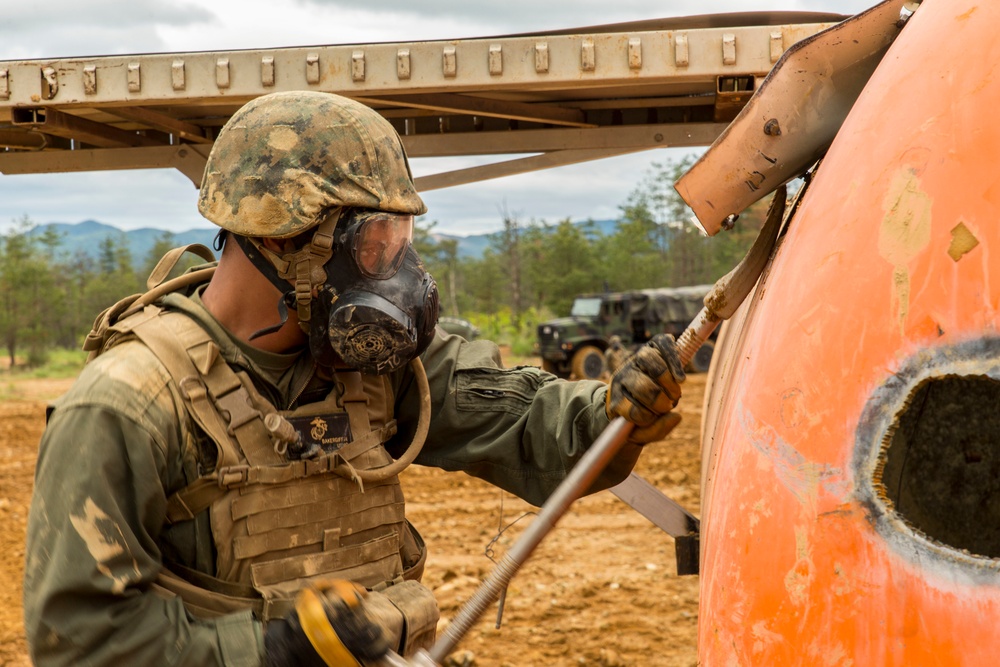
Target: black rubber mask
(378, 307)
(359, 288)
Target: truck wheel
(588, 363)
(702, 358)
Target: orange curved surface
(888, 260)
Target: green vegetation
(48, 303)
(59, 363)
(500, 326)
(530, 273)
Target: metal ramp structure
(559, 98)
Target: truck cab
(574, 346)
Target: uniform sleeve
(521, 429)
(97, 510)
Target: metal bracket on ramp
(666, 515)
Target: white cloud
(160, 198)
(530, 15)
(259, 23)
(28, 16)
(71, 28)
(95, 27)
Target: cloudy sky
(166, 200)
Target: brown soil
(600, 590)
(22, 414)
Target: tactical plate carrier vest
(277, 524)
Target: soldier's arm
(521, 429)
(96, 516)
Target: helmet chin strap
(296, 273)
(283, 318)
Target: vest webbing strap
(157, 334)
(354, 400)
(353, 387)
(208, 597)
(325, 562)
(279, 539)
(297, 495)
(200, 494)
(226, 391)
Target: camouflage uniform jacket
(112, 453)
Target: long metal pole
(582, 475)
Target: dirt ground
(601, 590)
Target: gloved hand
(329, 627)
(646, 388)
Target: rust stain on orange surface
(905, 231)
(793, 410)
(800, 577)
(962, 241)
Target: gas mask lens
(379, 242)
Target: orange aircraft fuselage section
(852, 482)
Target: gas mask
(359, 288)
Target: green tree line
(49, 299)
(531, 270)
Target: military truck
(574, 346)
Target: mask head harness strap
(295, 273)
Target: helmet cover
(283, 160)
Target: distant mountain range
(87, 236)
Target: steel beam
(30, 140)
(543, 62)
(512, 167)
(189, 159)
(52, 121)
(534, 141)
(161, 121)
(793, 118)
(478, 106)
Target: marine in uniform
(220, 485)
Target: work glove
(615, 355)
(646, 388)
(328, 627)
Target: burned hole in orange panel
(939, 466)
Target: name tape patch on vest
(331, 432)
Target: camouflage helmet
(285, 159)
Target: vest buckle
(237, 407)
(232, 476)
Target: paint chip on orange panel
(962, 241)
